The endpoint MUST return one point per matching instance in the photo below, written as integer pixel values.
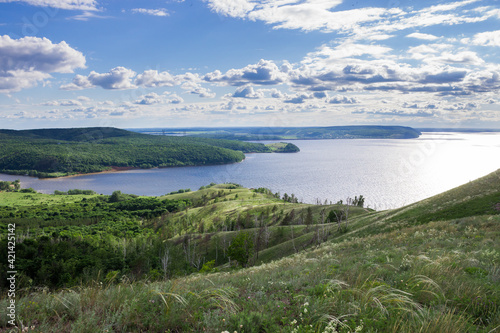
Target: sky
(229, 63)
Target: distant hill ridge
(284, 133)
(72, 134)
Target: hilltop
(162, 263)
(61, 152)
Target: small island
(283, 147)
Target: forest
(59, 152)
(77, 236)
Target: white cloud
(63, 103)
(87, 15)
(84, 98)
(487, 38)
(149, 99)
(26, 61)
(196, 89)
(422, 36)
(153, 12)
(248, 92)
(347, 50)
(425, 50)
(364, 23)
(154, 98)
(233, 8)
(263, 73)
(298, 98)
(151, 78)
(173, 98)
(62, 4)
(340, 99)
(118, 78)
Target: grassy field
(433, 266)
(12, 199)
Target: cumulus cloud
(297, 98)
(151, 78)
(195, 88)
(118, 78)
(248, 92)
(26, 61)
(488, 38)
(343, 100)
(62, 4)
(347, 50)
(265, 72)
(153, 12)
(149, 99)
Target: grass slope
(432, 266)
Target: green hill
(163, 264)
(60, 152)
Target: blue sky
(175, 63)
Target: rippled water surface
(388, 173)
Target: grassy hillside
(432, 266)
(59, 152)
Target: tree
(165, 260)
(360, 202)
(309, 217)
(342, 213)
(117, 196)
(241, 248)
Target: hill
(61, 152)
(428, 267)
(291, 133)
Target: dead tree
(165, 260)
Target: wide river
(388, 173)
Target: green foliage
(283, 147)
(75, 192)
(208, 267)
(182, 191)
(27, 190)
(10, 186)
(241, 248)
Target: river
(388, 173)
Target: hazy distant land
(290, 133)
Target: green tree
(241, 248)
(309, 217)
